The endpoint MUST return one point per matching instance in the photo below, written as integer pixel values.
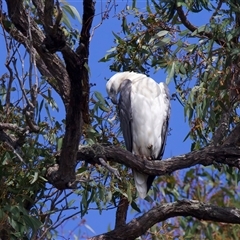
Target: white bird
(144, 111)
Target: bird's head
(113, 85)
(112, 90)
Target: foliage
(25, 152)
(203, 63)
(30, 134)
(203, 68)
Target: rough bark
(121, 214)
(228, 153)
(69, 77)
(225, 154)
(49, 65)
(77, 111)
(201, 211)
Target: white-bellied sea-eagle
(144, 110)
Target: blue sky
(101, 42)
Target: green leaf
(31, 222)
(35, 178)
(104, 108)
(125, 26)
(99, 96)
(81, 170)
(120, 40)
(135, 206)
(59, 143)
(13, 223)
(71, 10)
(184, 32)
(200, 29)
(109, 196)
(66, 21)
(162, 33)
(171, 71)
(129, 191)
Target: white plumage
(144, 110)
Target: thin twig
(111, 169)
(192, 28)
(216, 10)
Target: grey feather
(125, 115)
(165, 125)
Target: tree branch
(216, 10)
(121, 214)
(39, 5)
(48, 15)
(201, 211)
(112, 170)
(71, 81)
(222, 130)
(193, 28)
(13, 127)
(48, 64)
(83, 51)
(4, 137)
(234, 137)
(226, 154)
(77, 111)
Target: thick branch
(13, 127)
(77, 110)
(39, 5)
(48, 14)
(83, 51)
(71, 81)
(234, 137)
(222, 130)
(121, 214)
(226, 154)
(193, 208)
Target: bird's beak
(113, 96)
(114, 99)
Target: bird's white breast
(147, 117)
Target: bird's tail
(140, 180)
